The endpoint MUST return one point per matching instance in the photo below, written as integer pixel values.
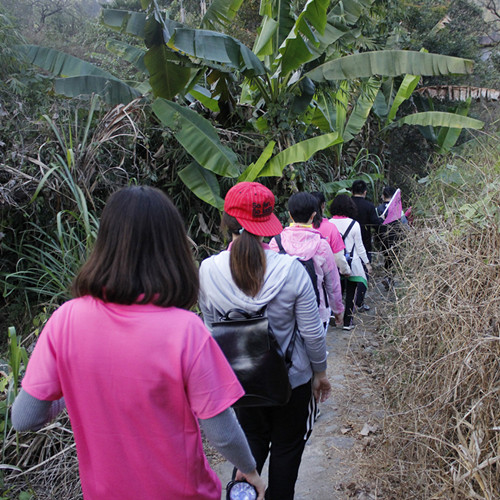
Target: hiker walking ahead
(368, 221)
(135, 367)
(390, 231)
(303, 241)
(343, 212)
(249, 275)
(331, 234)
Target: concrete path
(330, 468)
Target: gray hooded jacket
(290, 299)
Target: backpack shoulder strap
(348, 230)
(277, 238)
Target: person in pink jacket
(330, 232)
(300, 239)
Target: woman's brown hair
(247, 259)
(141, 254)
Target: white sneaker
(348, 327)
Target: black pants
(282, 431)
(350, 291)
(361, 288)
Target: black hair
(388, 192)
(359, 187)
(320, 198)
(301, 207)
(141, 254)
(343, 205)
(247, 260)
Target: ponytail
(247, 260)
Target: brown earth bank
(339, 458)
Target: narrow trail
(335, 464)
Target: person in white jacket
(343, 211)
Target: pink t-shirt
(332, 235)
(135, 380)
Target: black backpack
(248, 342)
(309, 267)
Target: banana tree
(296, 80)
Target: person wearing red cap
(249, 276)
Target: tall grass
(442, 381)
(48, 259)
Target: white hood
(219, 287)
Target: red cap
(252, 205)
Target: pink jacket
(306, 243)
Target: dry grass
(442, 379)
(42, 463)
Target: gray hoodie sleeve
(30, 413)
(226, 435)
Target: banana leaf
(203, 184)
(220, 14)
(132, 23)
(281, 13)
(263, 45)
(217, 47)
(405, 91)
(441, 119)
(129, 53)
(295, 51)
(300, 152)
(60, 64)
(113, 92)
(205, 97)
(389, 63)
(198, 137)
(252, 171)
(167, 78)
(361, 110)
(447, 136)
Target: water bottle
(240, 490)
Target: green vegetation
(299, 95)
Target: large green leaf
(167, 78)
(220, 13)
(61, 64)
(295, 51)
(405, 91)
(299, 152)
(349, 11)
(205, 97)
(280, 12)
(219, 48)
(129, 53)
(441, 119)
(198, 137)
(361, 110)
(389, 63)
(447, 136)
(252, 171)
(132, 23)
(263, 45)
(203, 184)
(341, 104)
(112, 91)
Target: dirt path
(333, 465)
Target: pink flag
(394, 208)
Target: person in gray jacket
(250, 275)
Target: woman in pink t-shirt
(138, 372)
(330, 232)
